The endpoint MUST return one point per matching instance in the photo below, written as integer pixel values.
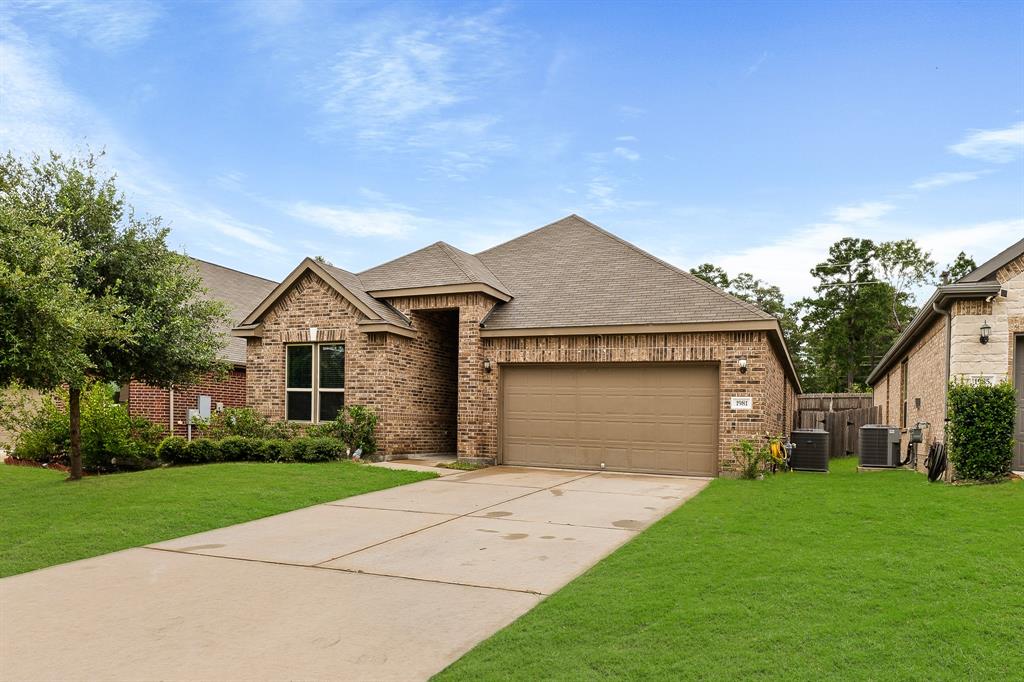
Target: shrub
(245, 422)
(355, 426)
(241, 449)
(202, 451)
(317, 449)
(112, 439)
(173, 450)
(979, 435)
(277, 450)
(750, 458)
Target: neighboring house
(564, 347)
(240, 292)
(944, 341)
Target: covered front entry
(656, 418)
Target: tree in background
(903, 265)
(846, 324)
(960, 267)
(767, 297)
(92, 291)
(712, 274)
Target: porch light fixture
(312, 333)
(742, 362)
(985, 329)
(487, 366)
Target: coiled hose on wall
(936, 462)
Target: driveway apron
(391, 585)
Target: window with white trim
(315, 381)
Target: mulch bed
(18, 462)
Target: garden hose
(936, 462)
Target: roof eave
(943, 295)
(469, 287)
(308, 264)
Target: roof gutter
(936, 305)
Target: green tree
(767, 297)
(851, 321)
(903, 265)
(128, 308)
(961, 266)
(712, 274)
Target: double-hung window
(315, 383)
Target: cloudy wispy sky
(747, 134)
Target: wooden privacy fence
(841, 414)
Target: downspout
(170, 410)
(949, 353)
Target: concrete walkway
(391, 585)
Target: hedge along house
(970, 330)
(564, 347)
(240, 292)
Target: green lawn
(802, 576)
(46, 521)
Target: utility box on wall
(204, 406)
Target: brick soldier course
(428, 336)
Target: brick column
(470, 389)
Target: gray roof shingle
(439, 264)
(240, 292)
(354, 284)
(573, 273)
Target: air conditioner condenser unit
(879, 446)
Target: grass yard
(45, 521)
(802, 576)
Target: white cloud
(626, 153)
(758, 63)
(103, 25)
(630, 111)
(787, 261)
(39, 113)
(395, 77)
(865, 212)
(944, 179)
(626, 138)
(997, 146)
(356, 222)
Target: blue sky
(748, 134)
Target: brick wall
(153, 403)
(423, 374)
(311, 302)
(475, 405)
(926, 372)
(764, 380)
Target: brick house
(240, 292)
(972, 329)
(566, 346)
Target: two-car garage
(657, 418)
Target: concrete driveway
(394, 584)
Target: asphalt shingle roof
(439, 264)
(354, 284)
(572, 273)
(240, 292)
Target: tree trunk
(75, 414)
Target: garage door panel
(658, 418)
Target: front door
(1018, 382)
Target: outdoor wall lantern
(743, 365)
(985, 329)
(487, 366)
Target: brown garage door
(650, 418)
